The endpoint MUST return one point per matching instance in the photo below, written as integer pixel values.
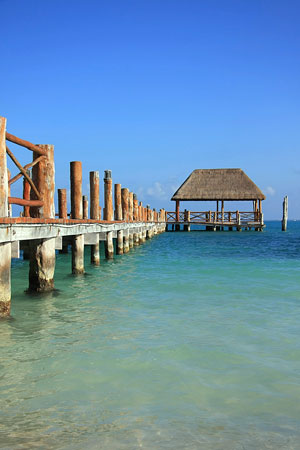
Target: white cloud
(269, 190)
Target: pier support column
(5, 287)
(141, 240)
(62, 213)
(78, 254)
(94, 213)
(109, 245)
(126, 241)
(284, 214)
(136, 239)
(42, 265)
(120, 244)
(76, 213)
(130, 239)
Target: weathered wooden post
(26, 194)
(109, 213)
(118, 202)
(125, 214)
(5, 248)
(76, 213)
(62, 203)
(94, 213)
(119, 216)
(130, 206)
(85, 207)
(284, 214)
(42, 251)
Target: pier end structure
(218, 185)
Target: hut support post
(94, 213)
(284, 214)
(177, 226)
(76, 213)
(5, 248)
(42, 251)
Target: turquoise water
(190, 341)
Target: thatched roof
(218, 184)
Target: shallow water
(189, 341)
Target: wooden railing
(215, 217)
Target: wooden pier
(39, 232)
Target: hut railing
(216, 217)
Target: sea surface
(190, 341)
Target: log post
(5, 248)
(42, 251)
(125, 195)
(77, 213)
(62, 214)
(118, 202)
(85, 207)
(130, 206)
(94, 213)
(130, 239)
(185, 227)
(284, 214)
(135, 208)
(109, 213)
(26, 194)
(62, 203)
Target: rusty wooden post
(77, 213)
(62, 203)
(125, 195)
(76, 189)
(118, 202)
(130, 206)
(42, 251)
(9, 206)
(5, 248)
(63, 214)
(95, 213)
(85, 207)
(26, 195)
(109, 213)
(135, 208)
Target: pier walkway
(40, 231)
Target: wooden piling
(135, 208)
(124, 196)
(85, 207)
(130, 206)
(284, 214)
(118, 202)
(108, 199)
(5, 248)
(77, 213)
(62, 203)
(26, 194)
(42, 251)
(95, 213)
(126, 241)
(130, 240)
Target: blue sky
(154, 89)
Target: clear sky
(153, 89)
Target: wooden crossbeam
(28, 166)
(26, 144)
(23, 171)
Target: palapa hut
(220, 185)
